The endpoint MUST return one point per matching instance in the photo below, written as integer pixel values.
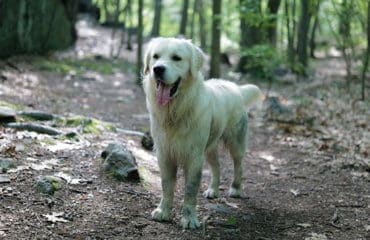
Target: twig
(34, 128)
(130, 132)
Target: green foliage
(262, 60)
(231, 221)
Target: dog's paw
(210, 193)
(235, 192)
(190, 222)
(160, 215)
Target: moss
(231, 221)
(11, 105)
(88, 125)
(104, 66)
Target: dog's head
(170, 62)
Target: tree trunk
(366, 60)
(184, 17)
(273, 8)
(117, 5)
(216, 39)
(139, 62)
(195, 11)
(202, 26)
(251, 33)
(157, 18)
(29, 27)
(291, 30)
(313, 30)
(304, 23)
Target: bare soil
(301, 180)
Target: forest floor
(306, 172)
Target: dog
(189, 117)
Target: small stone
(48, 184)
(4, 178)
(6, 164)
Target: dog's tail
(252, 95)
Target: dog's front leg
(168, 176)
(193, 175)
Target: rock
(6, 164)
(147, 141)
(7, 115)
(4, 178)
(120, 162)
(48, 184)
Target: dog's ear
(147, 57)
(197, 58)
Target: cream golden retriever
(189, 117)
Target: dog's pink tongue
(163, 94)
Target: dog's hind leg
(193, 175)
(236, 141)
(168, 177)
(212, 159)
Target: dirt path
(301, 181)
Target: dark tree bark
(195, 12)
(216, 39)
(36, 26)
(313, 30)
(202, 26)
(184, 17)
(291, 29)
(157, 18)
(273, 8)
(139, 63)
(251, 33)
(366, 60)
(304, 23)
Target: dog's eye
(176, 58)
(155, 56)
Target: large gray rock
(36, 26)
(119, 162)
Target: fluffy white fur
(188, 129)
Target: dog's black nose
(159, 71)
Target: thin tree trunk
(313, 30)
(195, 11)
(273, 7)
(157, 18)
(366, 61)
(216, 39)
(129, 27)
(139, 62)
(114, 30)
(184, 17)
(290, 31)
(202, 26)
(302, 43)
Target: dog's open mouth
(165, 92)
